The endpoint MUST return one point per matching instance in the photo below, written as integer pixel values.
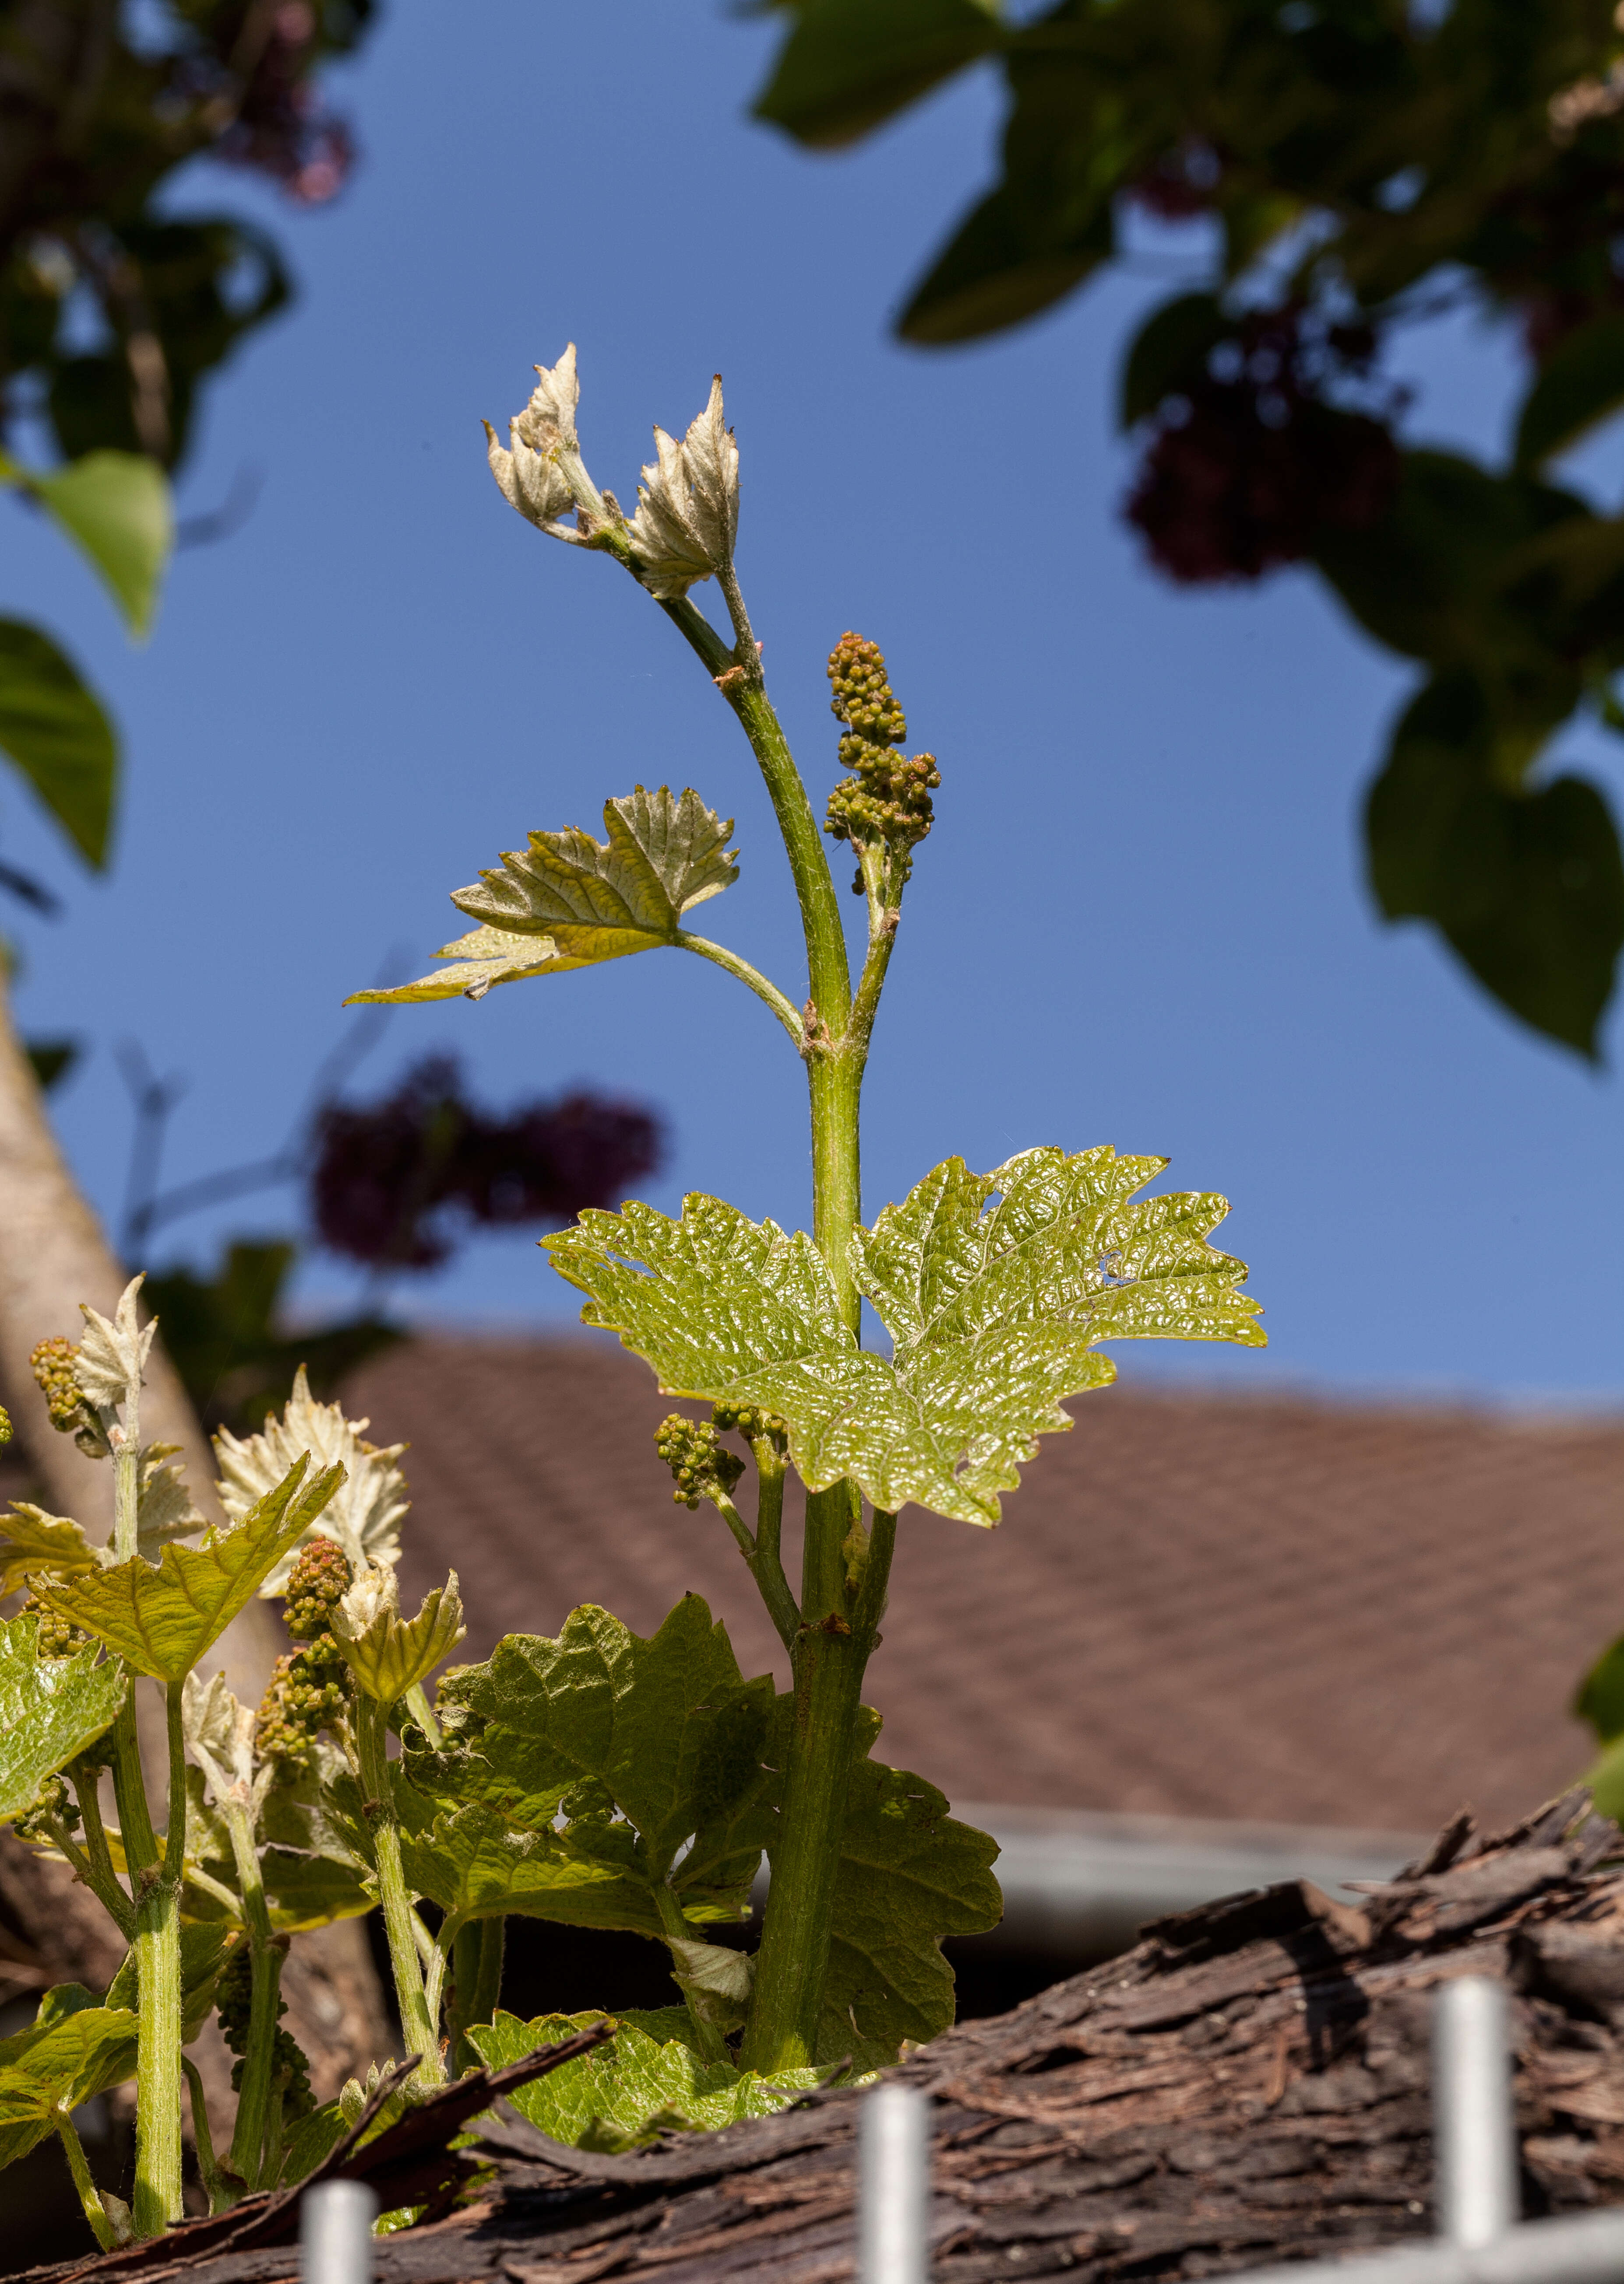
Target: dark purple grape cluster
(1254, 456)
(393, 1180)
(1183, 181)
(261, 62)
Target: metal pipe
(336, 2233)
(893, 2190)
(1589, 2250)
(1474, 2129)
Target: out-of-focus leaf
(649, 2080)
(56, 2065)
(54, 729)
(1005, 264)
(570, 900)
(995, 1310)
(1528, 887)
(160, 1618)
(51, 1059)
(1600, 1697)
(30, 1539)
(1581, 383)
(310, 2140)
(51, 1709)
(116, 506)
(847, 65)
(1173, 341)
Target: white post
(336, 2233)
(1474, 2127)
(893, 2198)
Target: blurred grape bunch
(1364, 165)
(392, 1187)
(101, 106)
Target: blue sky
(1140, 918)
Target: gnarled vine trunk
(1250, 2085)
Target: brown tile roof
(1198, 1606)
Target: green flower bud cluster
(52, 1364)
(52, 1811)
(310, 1687)
(6, 1430)
(750, 1421)
(887, 801)
(701, 1467)
(234, 1999)
(57, 1637)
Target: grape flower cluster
(309, 1687)
(234, 2001)
(886, 802)
(700, 1466)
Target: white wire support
(1587, 2250)
(336, 2233)
(893, 2186)
(1474, 2127)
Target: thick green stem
(89, 2199)
(265, 1956)
(416, 2024)
(158, 2046)
(476, 1984)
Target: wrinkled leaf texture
(994, 1309)
(51, 1709)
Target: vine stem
(89, 2197)
(416, 2023)
(248, 2150)
(476, 1983)
(214, 2182)
(158, 2047)
(769, 993)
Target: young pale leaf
(78, 2051)
(473, 1862)
(909, 1874)
(53, 727)
(388, 1653)
(600, 900)
(570, 900)
(648, 2079)
(116, 506)
(666, 1726)
(51, 1708)
(30, 1540)
(364, 1515)
(161, 1619)
(995, 1311)
(483, 958)
(164, 1506)
(688, 514)
(114, 1352)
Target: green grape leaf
(76, 2052)
(313, 2138)
(648, 2079)
(160, 1618)
(909, 1874)
(570, 900)
(995, 1310)
(484, 957)
(475, 1864)
(847, 65)
(54, 728)
(647, 1744)
(204, 1951)
(116, 507)
(33, 1540)
(51, 1708)
(1580, 384)
(389, 1655)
